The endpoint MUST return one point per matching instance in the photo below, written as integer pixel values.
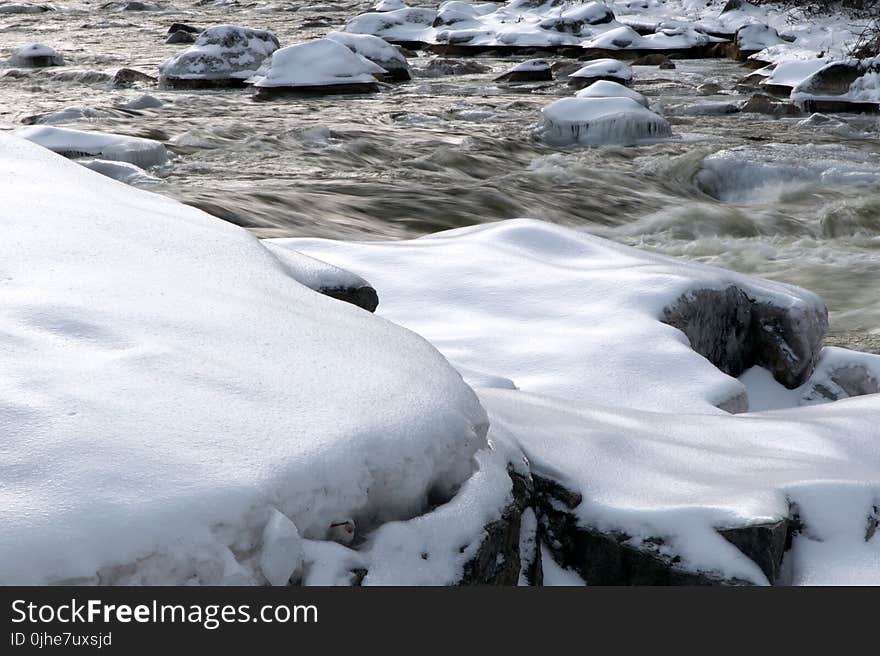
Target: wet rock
(36, 55)
(709, 89)
(129, 77)
(183, 27)
(761, 103)
(364, 297)
(609, 557)
(735, 332)
(442, 67)
(532, 70)
(497, 561)
(24, 9)
(652, 59)
(667, 66)
(180, 37)
(133, 5)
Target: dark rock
(126, 77)
(735, 332)
(667, 66)
(441, 67)
(364, 297)
(709, 89)
(538, 72)
(732, 5)
(269, 93)
(764, 544)
(180, 37)
(653, 59)
(497, 561)
(761, 103)
(183, 27)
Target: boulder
(735, 332)
(180, 36)
(183, 27)
(574, 20)
(24, 9)
(36, 55)
(597, 121)
(761, 103)
(441, 67)
(129, 77)
(601, 69)
(316, 67)
(75, 144)
(652, 59)
(532, 70)
(222, 56)
(608, 89)
(751, 39)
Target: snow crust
(168, 387)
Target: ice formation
(596, 121)
(144, 153)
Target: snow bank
(169, 389)
(319, 63)
(144, 153)
(595, 121)
(224, 52)
(758, 174)
(615, 405)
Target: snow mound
(758, 174)
(755, 37)
(36, 55)
(144, 153)
(408, 24)
(169, 389)
(319, 63)
(608, 89)
(224, 52)
(601, 120)
(601, 69)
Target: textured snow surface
(599, 120)
(615, 404)
(316, 63)
(168, 386)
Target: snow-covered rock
(225, 55)
(602, 120)
(377, 50)
(320, 66)
(618, 415)
(788, 74)
(144, 153)
(575, 19)
(840, 86)
(600, 69)
(405, 25)
(608, 89)
(531, 70)
(36, 55)
(16, 8)
(389, 5)
(121, 171)
(753, 38)
(169, 387)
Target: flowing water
(437, 153)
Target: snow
(317, 63)
(605, 68)
(281, 555)
(121, 171)
(168, 386)
(221, 52)
(760, 174)
(596, 121)
(373, 48)
(757, 37)
(144, 153)
(609, 89)
(530, 65)
(614, 404)
(793, 72)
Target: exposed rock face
(843, 383)
(761, 103)
(364, 297)
(764, 544)
(497, 562)
(127, 77)
(180, 36)
(441, 67)
(735, 332)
